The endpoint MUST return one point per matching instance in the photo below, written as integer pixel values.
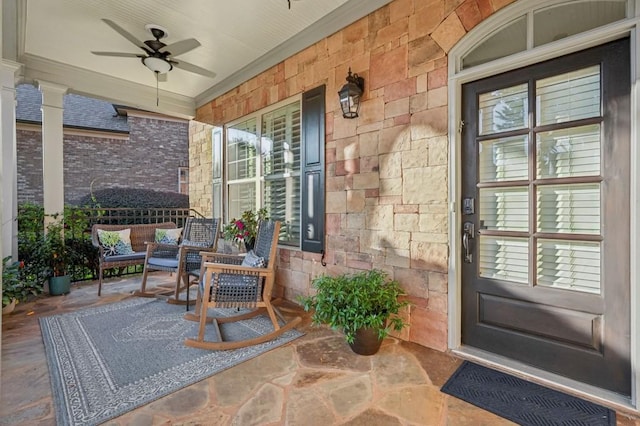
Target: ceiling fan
(158, 56)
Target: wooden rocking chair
(200, 234)
(229, 284)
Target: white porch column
(9, 163)
(52, 149)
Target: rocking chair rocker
(236, 282)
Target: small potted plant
(363, 305)
(54, 242)
(244, 230)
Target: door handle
(467, 235)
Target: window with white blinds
(242, 167)
(263, 167)
(540, 217)
(281, 169)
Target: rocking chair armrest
(228, 259)
(218, 268)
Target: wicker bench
(140, 234)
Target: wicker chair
(200, 234)
(140, 234)
(229, 284)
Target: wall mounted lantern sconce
(350, 95)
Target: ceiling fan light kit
(157, 65)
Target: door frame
(629, 27)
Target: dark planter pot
(248, 244)
(59, 285)
(366, 341)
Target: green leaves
(352, 301)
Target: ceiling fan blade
(180, 47)
(193, 68)
(119, 54)
(124, 33)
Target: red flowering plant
(244, 230)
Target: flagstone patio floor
(315, 380)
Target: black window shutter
(312, 182)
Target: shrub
(34, 249)
(12, 285)
(31, 250)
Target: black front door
(545, 196)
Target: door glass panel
(569, 152)
(573, 209)
(504, 209)
(570, 265)
(504, 258)
(504, 159)
(570, 96)
(504, 109)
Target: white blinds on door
(552, 211)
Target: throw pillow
(253, 260)
(116, 242)
(168, 236)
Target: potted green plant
(57, 250)
(244, 230)
(363, 305)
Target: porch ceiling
(53, 39)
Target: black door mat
(523, 402)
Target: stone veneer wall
(201, 168)
(387, 171)
(149, 159)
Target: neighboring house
(105, 146)
(488, 172)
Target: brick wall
(386, 174)
(29, 158)
(149, 159)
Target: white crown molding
(105, 87)
(340, 18)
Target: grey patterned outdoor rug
(107, 360)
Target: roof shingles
(79, 111)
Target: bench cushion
(136, 255)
